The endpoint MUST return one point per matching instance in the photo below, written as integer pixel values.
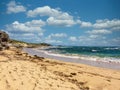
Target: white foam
(111, 48)
(56, 54)
(81, 57)
(94, 50)
(102, 59)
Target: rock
(4, 39)
(73, 73)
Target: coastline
(41, 53)
(21, 71)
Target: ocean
(106, 57)
(105, 54)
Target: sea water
(105, 54)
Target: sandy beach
(20, 71)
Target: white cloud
(41, 11)
(101, 31)
(28, 37)
(30, 31)
(85, 24)
(94, 36)
(12, 7)
(48, 11)
(30, 26)
(107, 23)
(55, 16)
(55, 38)
(93, 40)
(73, 38)
(57, 35)
(52, 41)
(35, 23)
(85, 40)
(59, 22)
(116, 40)
(116, 28)
(101, 24)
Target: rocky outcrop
(4, 39)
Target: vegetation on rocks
(4, 39)
(5, 42)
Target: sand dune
(19, 71)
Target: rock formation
(4, 39)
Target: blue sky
(62, 22)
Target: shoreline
(109, 65)
(19, 70)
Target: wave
(55, 54)
(112, 48)
(94, 50)
(80, 57)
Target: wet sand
(110, 65)
(20, 71)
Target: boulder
(4, 39)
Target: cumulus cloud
(56, 35)
(28, 37)
(85, 40)
(115, 41)
(52, 41)
(48, 11)
(13, 7)
(55, 16)
(35, 23)
(115, 23)
(73, 38)
(59, 22)
(81, 40)
(99, 31)
(29, 31)
(33, 30)
(30, 26)
(85, 24)
(101, 24)
(60, 18)
(55, 38)
(42, 11)
(94, 36)
(116, 28)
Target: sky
(62, 22)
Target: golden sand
(20, 71)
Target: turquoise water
(107, 57)
(113, 52)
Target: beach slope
(20, 71)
